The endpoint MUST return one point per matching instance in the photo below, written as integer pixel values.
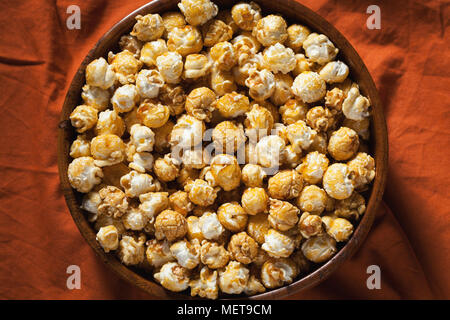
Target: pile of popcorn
(221, 151)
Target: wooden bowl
(294, 12)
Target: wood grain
(293, 11)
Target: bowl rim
(358, 69)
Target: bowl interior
(293, 12)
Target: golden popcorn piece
(363, 169)
(185, 40)
(80, 147)
(291, 157)
(258, 226)
(292, 111)
(148, 28)
(254, 286)
(285, 185)
(296, 35)
(350, 208)
(283, 92)
(320, 143)
(232, 105)
(243, 248)
(334, 99)
(162, 137)
(312, 199)
(166, 168)
(300, 135)
(320, 119)
(84, 174)
(232, 216)
(277, 244)
(131, 250)
(338, 181)
(210, 226)
(302, 64)
(196, 158)
(200, 103)
(135, 184)
(355, 105)
(125, 97)
(135, 219)
(278, 58)
(201, 193)
(108, 238)
(187, 175)
(215, 31)
(107, 149)
(222, 82)
(313, 167)
(253, 175)
(246, 15)
(309, 87)
(100, 74)
(226, 171)
(228, 137)
(152, 50)
(213, 255)
(148, 83)
(258, 121)
(319, 249)
(334, 71)
(233, 279)
(338, 228)
(270, 151)
(153, 114)
(170, 66)
(255, 200)
(343, 144)
(153, 202)
(142, 138)
(170, 225)
(310, 225)
(83, 118)
(278, 272)
(130, 43)
(158, 253)
(246, 47)
(206, 286)
(173, 277)
(186, 253)
(223, 55)
(95, 97)
(261, 84)
(172, 20)
(179, 201)
(125, 65)
(361, 127)
(187, 132)
(109, 122)
(198, 12)
(174, 97)
(270, 30)
(196, 66)
(319, 48)
(193, 229)
(282, 215)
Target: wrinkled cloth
(408, 59)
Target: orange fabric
(408, 59)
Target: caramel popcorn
(187, 132)
(334, 99)
(319, 48)
(254, 286)
(243, 248)
(363, 169)
(179, 201)
(83, 118)
(270, 151)
(81, 147)
(253, 175)
(292, 111)
(170, 225)
(125, 65)
(319, 248)
(113, 202)
(338, 228)
(270, 30)
(130, 43)
(166, 169)
(277, 244)
(185, 40)
(320, 118)
(226, 171)
(355, 105)
(216, 31)
(148, 83)
(172, 20)
(334, 71)
(309, 87)
(95, 97)
(296, 35)
(152, 203)
(228, 136)
(278, 58)
(206, 286)
(350, 208)
(277, 272)
(148, 28)
(172, 276)
(246, 15)
(196, 65)
(108, 237)
(197, 12)
(109, 122)
(153, 114)
(158, 253)
(232, 216)
(200, 103)
(135, 219)
(100, 74)
(170, 66)
(132, 250)
(223, 55)
(285, 185)
(337, 181)
(222, 82)
(186, 253)
(135, 183)
(282, 215)
(361, 127)
(152, 50)
(125, 97)
(310, 225)
(201, 193)
(107, 149)
(261, 84)
(302, 64)
(343, 144)
(300, 135)
(255, 200)
(233, 279)
(213, 255)
(258, 226)
(313, 167)
(312, 199)
(283, 92)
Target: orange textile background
(409, 59)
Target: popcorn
(296, 35)
(153, 114)
(81, 147)
(310, 225)
(216, 31)
(233, 279)
(100, 74)
(338, 228)
(193, 229)
(201, 193)
(153, 203)
(84, 174)
(83, 118)
(319, 48)
(162, 137)
(355, 106)
(232, 216)
(258, 226)
(270, 30)
(113, 202)
(148, 83)
(158, 253)
(246, 15)
(130, 43)
(95, 97)
(228, 137)
(186, 253)
(135, 219)
(309, 87)
(282, 215)
(196, 158)
(200, 103)
(270, 151)
(206, 286)
(334, 71)
(222, 82)
(285, 185)
(152, 50)
(278, 58)
(214, 255)
(172, 276)
(108, 237)
(141, 162)
(131, 250)
(148, 28)
(320, 119)
(350, 208)
(170, 225)
(185, 40)
(300, 135)
(223, 55)
(312, 199)
(142, 138)
(255, 200)
(277, 272)
(109, 122)
(198, 12)
(166, 169)
(258, 121)
(246, 47)
(125, 65)
(226, 171)
(334, 99)
(243, 248)
(254, 286)
(282, 93)
(179, 201)
(261, 84)
(90, 203)
(302, 64)
(319, 249)
(135, 184)
(170, 66)
(338, 182)
(292, 111)
(313, 167)
(343, 144)
(363, 169)
(278, 245)
(125, 97)
(172, 20)
(196, 66)
(173, 97)
(253, 175)
(187, 132)
(232, 105)
(361, 127)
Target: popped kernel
(350, 208)
(95, 97)
(258, 226)
(222, 82)
(254, 286)
(186, 253)
(232, 216)
(285, 185)
(233, 279)
(232, 105)
(320, 143)
(320, 118)
(170, 66)
(296, 35)
(125, 98)
(149, 27)
(113, 202)
(282, 215)
(338, 182)
(125, 65)
(109, 122)
(228, 136)
(334, 99)
(170, 225)
(135, 184)
(187, 132)
(319, 248)
(300, 135)
(158, 253)
(270, 151)
(172, 20)
(172, 276)
(200, 103)
(246, 15)
(243, 248)
(343, 144)
(213, 255)
(363, 168)
(108, 238)
(135, 219)
(277, 244)
(206, 286)
(153, 114)
(196, 65)
(100, 74)
(187, 175)
(196, 158)
(179, 201)
(80, 147)
(225, 16)
(142, 138)
(293, 110)
(201, 193)
(355, 105)
(83, 118)
(166, 169)
(278, 58)
(312, 199)
(261, 84)
(253, 175)
(270, 30)
(313, 167)
(302, 64)
(310, 225)
(258, 121)
(223, 55)
(278, 272)
(173, 97)
(148, 83)
(255, 200)
(193, 229)
(338, 228)
(334, 71)
(162, 137)
(130, 43)
(292, 158)
(198, 12)
(215, 31)
(131, 250)
(185, 40)
(226, 171)
(107, 149)
(153, 203)
(282, 92)
(319, 48)
(361, 127)
(309, 87)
